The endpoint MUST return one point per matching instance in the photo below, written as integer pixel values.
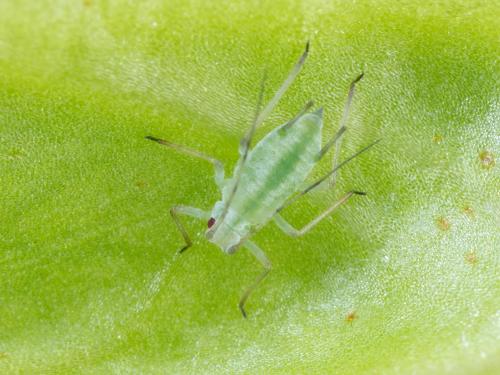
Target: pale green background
(90, 282)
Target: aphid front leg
(218, 166)
(189, 211)
(262, 258)
(286, 227)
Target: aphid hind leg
(262, 258)
(218, 165)
(286, 227)
(318, 182)
(336, 140)
(189, 211)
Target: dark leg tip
(243, 312)
(183, 249)
(151, 138)
(358, 78)
(360, 192)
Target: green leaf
(405, 280)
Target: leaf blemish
(351, 316)
(468, 211)
(471, 257)
(487, 159)
(438, 138)
(15, 153)
(443, 224)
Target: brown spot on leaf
(15, 153)
(471, 257)
(443, 224)
(438, 138)
(351, 316)
(487, 159)
(468, 211)
(141, 184)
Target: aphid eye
(211, 222)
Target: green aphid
(267, 178)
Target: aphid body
(276, 168)
(267, 178)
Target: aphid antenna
(285, 85)
(244, 148)
(247, 139)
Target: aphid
(267, 178)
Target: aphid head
(221, 233)
(211, 222)
(223, 236)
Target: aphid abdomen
(276, 168)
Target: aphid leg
(261, 257)
(286, 227)
(260, 116)
(326, 176)
(343, 123)
(190, 211)
(331, 142)
(337, 138)
(218, 166)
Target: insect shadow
(267, 178)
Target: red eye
(211, 222)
